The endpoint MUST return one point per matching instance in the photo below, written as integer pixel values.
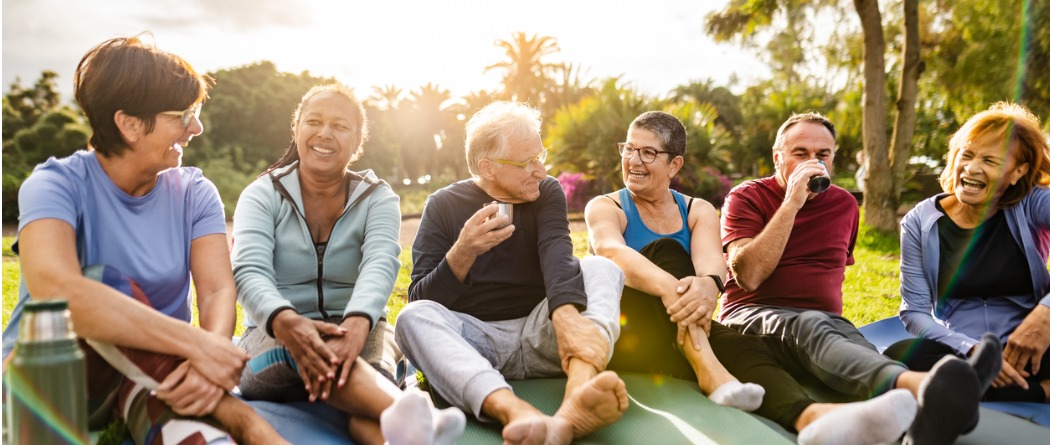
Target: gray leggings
(822, 344)
(466, 359)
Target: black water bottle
(820, 183)
(46, 380)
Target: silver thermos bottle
(46, 381)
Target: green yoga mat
(662, 411)
(671, 411)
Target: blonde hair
(1014, 124)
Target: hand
(579, 338)
(217, 359)
(1009, 375)
(188, 393)
(695, 302)
(695, 331)
(797, 190)
(302, 337)
(1029, 341)
(348, 347)
(480, 234)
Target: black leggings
(648, 344)
(920, 354)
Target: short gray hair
(811, 117)
(490, 128)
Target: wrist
(718, 283)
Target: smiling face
(984, 169)
(162, 148)
(638, 176)
(326, 135)
(511, 183)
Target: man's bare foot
(538, 430)
(600, 401)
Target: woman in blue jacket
(315, 257)
(974, 260)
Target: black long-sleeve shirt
(509, 280)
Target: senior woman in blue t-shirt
(974, 259)
(127, 206)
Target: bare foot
(538, 430)
(598, 402)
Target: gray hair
(491, 127)
(812, 117)
(666, 127)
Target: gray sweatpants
(466, 359)
(823, 344)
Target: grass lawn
(870, 292)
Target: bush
(706, 183)
(577, 190)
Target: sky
(654, 45)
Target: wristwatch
(718, 283)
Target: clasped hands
(195, 387)
(324, 352)
(691, 307)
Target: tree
(744, 18)
(36, 127)
(526, 75)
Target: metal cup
(504, 208)
(820, 183)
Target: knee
(415, 315)
(603, 269)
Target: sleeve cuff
(269, 320)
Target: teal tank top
(638, 235)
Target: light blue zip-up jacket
(275, 264)
(958, 323)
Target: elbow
(745, 284)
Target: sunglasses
(186, 116)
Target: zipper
(320, 255)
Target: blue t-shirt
(147, 238)
(637, 235)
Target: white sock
(879, 420)
(409, 421)
(448, 425)
(744, 396)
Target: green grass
(869, 294)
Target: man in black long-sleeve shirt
(496, 297)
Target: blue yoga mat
(888, 331)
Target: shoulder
(923, 211)
(68, 173)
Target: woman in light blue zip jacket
(974, 260)
(315, 257)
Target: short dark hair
(127, 74)
(1014, 124)
(665, 126)
(360, 122)
(812, 117)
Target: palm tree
(526, 75)
(387, 96)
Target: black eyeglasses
(646, 154)
(186, 116)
